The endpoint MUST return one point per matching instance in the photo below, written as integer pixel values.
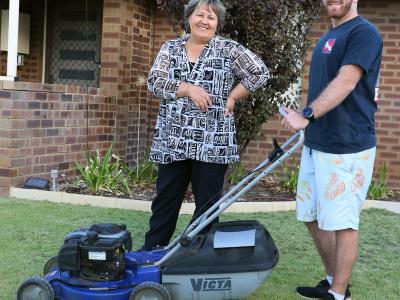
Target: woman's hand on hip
(230, 105)
(199, 96)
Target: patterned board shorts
(332, 187)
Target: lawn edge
(187, 208)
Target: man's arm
(334, 94)
(337, 90)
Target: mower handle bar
(235, 193)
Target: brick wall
(142, 50)
(32, 69)
(115, 62)
(44, 127)
(386, 16)
(161, 33)
(52, 119)
(126, 55)
(132, 35)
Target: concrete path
(187, 208)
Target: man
(339, 150)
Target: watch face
(308, 113)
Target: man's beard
(340, 14)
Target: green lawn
(31, 232)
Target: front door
(74, 42)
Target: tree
(278, 31)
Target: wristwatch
(308, 114)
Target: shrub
(104, 173)
(378, 189)
(278, 31)
(290, 175)
(144, 173)
(237, 173)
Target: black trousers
(172, 182)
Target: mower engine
(96, 253)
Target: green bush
(290, 175)
(279, 31)
(378, 189)
(104, 174)
(238, 172)
(144, 173)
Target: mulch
(267, 190)
(264, 191)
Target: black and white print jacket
(183, 131)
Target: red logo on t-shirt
(328, 46)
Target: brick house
(74, 81)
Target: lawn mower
(229, 261)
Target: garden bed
(267, 190)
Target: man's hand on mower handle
(294, 121)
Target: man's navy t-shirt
(349, 127)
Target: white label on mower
(96, 255)
(227, 239)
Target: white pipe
(6, 78)
(53, 175)
(44, 42)
(13, 21)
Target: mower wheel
(35, 288)
(150, 291)
(50, 264)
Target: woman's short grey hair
(216, 6)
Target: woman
(194, 139)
